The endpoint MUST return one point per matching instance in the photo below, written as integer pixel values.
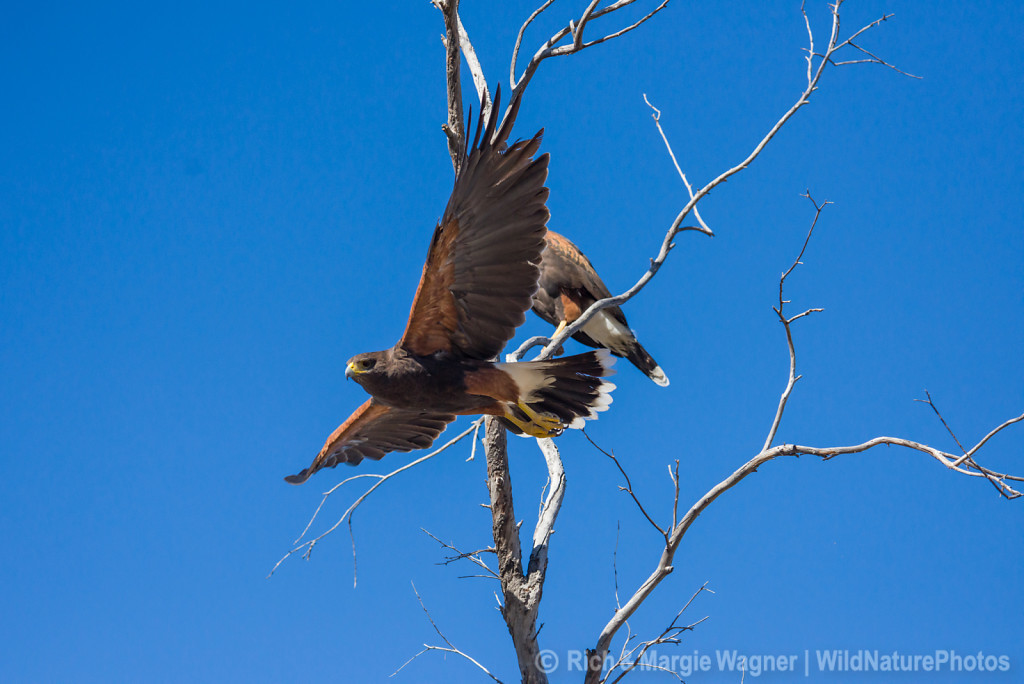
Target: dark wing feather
(481, 272)
(374, 430)
(564, 269)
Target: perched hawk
(477, 283)
(568, 286)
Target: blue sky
(206, 209)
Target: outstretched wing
(374, 430)
(481, 272)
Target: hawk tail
(558, 393)
(605, 330)
(639, 357)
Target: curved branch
(551, 47)
(629, 486)
(564, 51)
(519, 41)
(577, 31)
(449, 649)
(347, 515)
(827, 453)
(787, 322)
(628, 660)
(814, 77)
(689, 188)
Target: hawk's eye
(367, 364)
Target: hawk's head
(362, 367)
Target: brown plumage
(478, 281)
(568, 286)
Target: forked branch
(449, 648)
(306, 547)
(631, 658)
(817, 63)
(522, 588)
(575, 41)
(964, 464)
(787, 322)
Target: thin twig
(450, 649)
(574, 30)
(657, 122)
(473, 556)
(615, 564)
(967, 458)
(347, 515)
(627, 661)
(629, 486)
(674, 476)
(519, 41)
(787, 323)
(944, 423)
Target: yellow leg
(560, 328)
(536, 424)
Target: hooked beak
(350, 371)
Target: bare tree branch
(347, 515)
(450, 649)
(551, 48)
(787, 322)
(472, 556)
(522, 590)
(627, 661)
(476, 439)
(939, 415)
(536, 341)
(815, 70)
(664, 567)
(996, 479)
(629, 486)
(965, 465)
(549, 511)
(519, 40)
(482, 93)
(989, 436)
(454, 129)
(577, 30)
(564, 50)
(657, 122)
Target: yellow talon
(532, 422)
(560, 328)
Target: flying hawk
(568, 286)
(477, 283)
